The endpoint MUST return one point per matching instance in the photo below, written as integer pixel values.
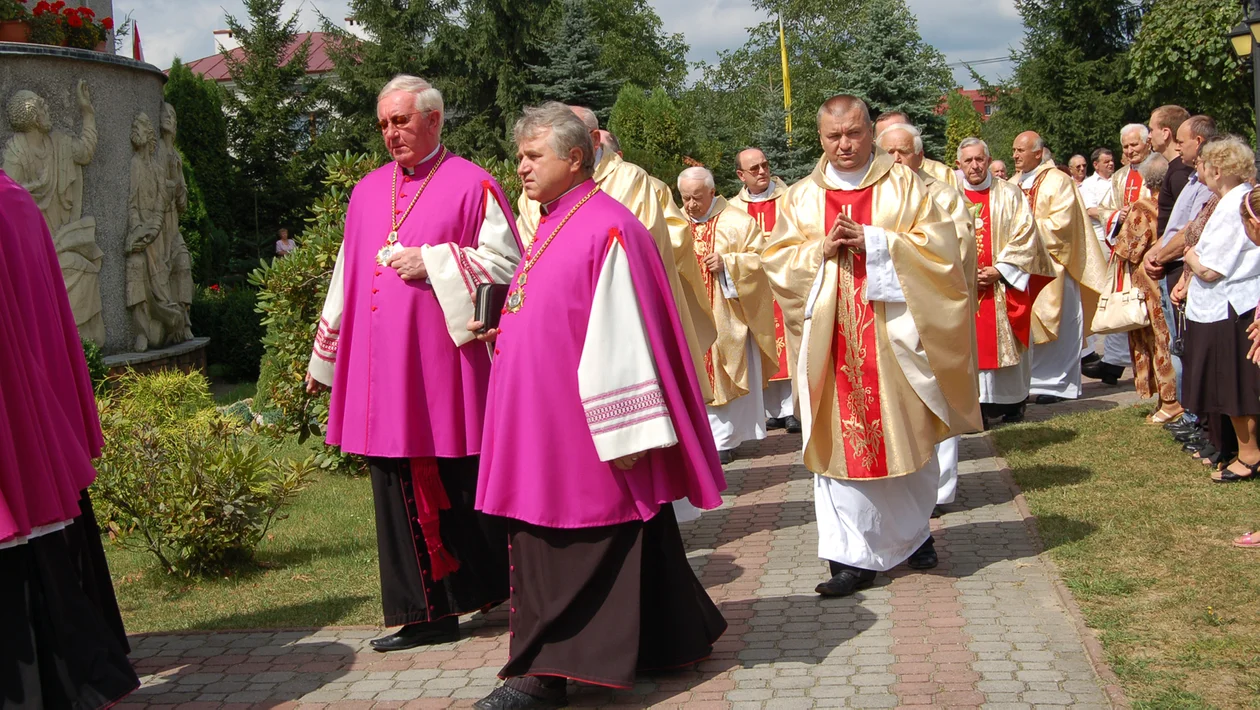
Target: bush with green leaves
(95, 363)
(230, 318)
(291, 296)
(180, 481)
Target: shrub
(231, 320)
(291, 297)
(95, 363)
(179, 480)
(504, 172)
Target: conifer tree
(962, 121)
(789, 162)
(571, 73)
(203, 139)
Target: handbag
(1123, 307)
(1178, 346)
(488, 305)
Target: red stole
(855, 348)
(702, 243)
(1132, 188)
(765, 213)
(1018, 303)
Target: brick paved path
(988, 627)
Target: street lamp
(1245, 37)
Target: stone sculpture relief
(158, 318)
(177, 256)
(49, 164)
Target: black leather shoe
(1181, 423)
(1184, 430)
(415, 635)
(1194, 447)
(725, 457)
(775, 423)
(1015, 414)
(1090, 359)
(793, 425)
(925, 556)
(1189, 437)
(846, 582)
(1049, 399)
(505, 698)
(1111, 374)
(1093, 369)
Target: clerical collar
(848, 179)
(1027, 179)
(707, 215)
(427, 158)
(599, 154)
(551, 206)
(988, 182)
(763, 196)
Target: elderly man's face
(1076, 166)
(998, 169)
(753, 170)
(847, 140)
(410, 134)
(900, 145)
(1135, 149)
(974, 163)
(544, 174)
(1025, 152)
(697, 198)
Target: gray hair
(915, 133)
(427, 97)
(567, 131)
(587, 116)
(697, 172)
(1142, 130)
(1153, 170)
(970, 142)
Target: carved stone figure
(49, 164)
(158, 319)
(177, 256)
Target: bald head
(752, 169)
(1028, 151)
(841, 105)
(889, 118)
(587, 117)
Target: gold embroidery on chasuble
(765, 213)
(855, 349)
(702, 237)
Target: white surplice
(779, 400)
(1056, 366)
(947, 458)
(742, 419)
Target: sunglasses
(761, 167)
(398, 121)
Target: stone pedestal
(187, 356)
(120, 88)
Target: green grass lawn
(317, 567)
(1143, 539)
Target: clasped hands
(986, 276)
(844, 233)
(713, 262)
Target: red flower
(58, 5)
(75, 20)
(87, 12)
(214, 287)
(108, 23)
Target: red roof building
(978, 99)
(215, 66)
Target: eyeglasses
(761, 167)
(398, 121)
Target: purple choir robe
(403, 387)
(552, 431)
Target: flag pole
(787, 82)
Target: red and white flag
(137, 52)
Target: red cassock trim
(855, 350)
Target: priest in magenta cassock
(869, 268)
(591, 345)
(1013, 267)
(759, 197)
(408, 379)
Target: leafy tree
(636, 49)
(268, 121)
(571, 73)
(1182, 56)
(401, 39)
(653, 131)
(202, 139)
(788, 161)
(962, 121)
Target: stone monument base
(187, 356)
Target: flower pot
(15, 31)
(100, 46)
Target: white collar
(988, 182)
(546, 209)
(848, 179)
(1026, 180)
(707, 215)
(763, 196)
(427, 158)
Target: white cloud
(962, 29)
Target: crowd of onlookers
(1189, 240)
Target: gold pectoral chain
(391, 242)
(516, 299)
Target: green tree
(202, 139)
(790, 160)
(269, 118)
(635, 48)
(653, 131)
(962, 121)
(1182, 56)
(571, 73)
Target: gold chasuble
(1006, 234)
(1067, 234)
(765, 211)
(953, 203)
(630, 185)
(739, 240)
(883, 382)
(941, 172)
(1127, 187)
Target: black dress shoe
(1189, 437)
(414, 635)
(1093, 369)
(725, 457)
(1195, 447)
(924, 557)
(793, 425)
(1049, 399)
(1111, 374)
(847, 581)
(507, 698)
(1015, 414)
(1090, 359)
(776, 423)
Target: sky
(964, 30)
